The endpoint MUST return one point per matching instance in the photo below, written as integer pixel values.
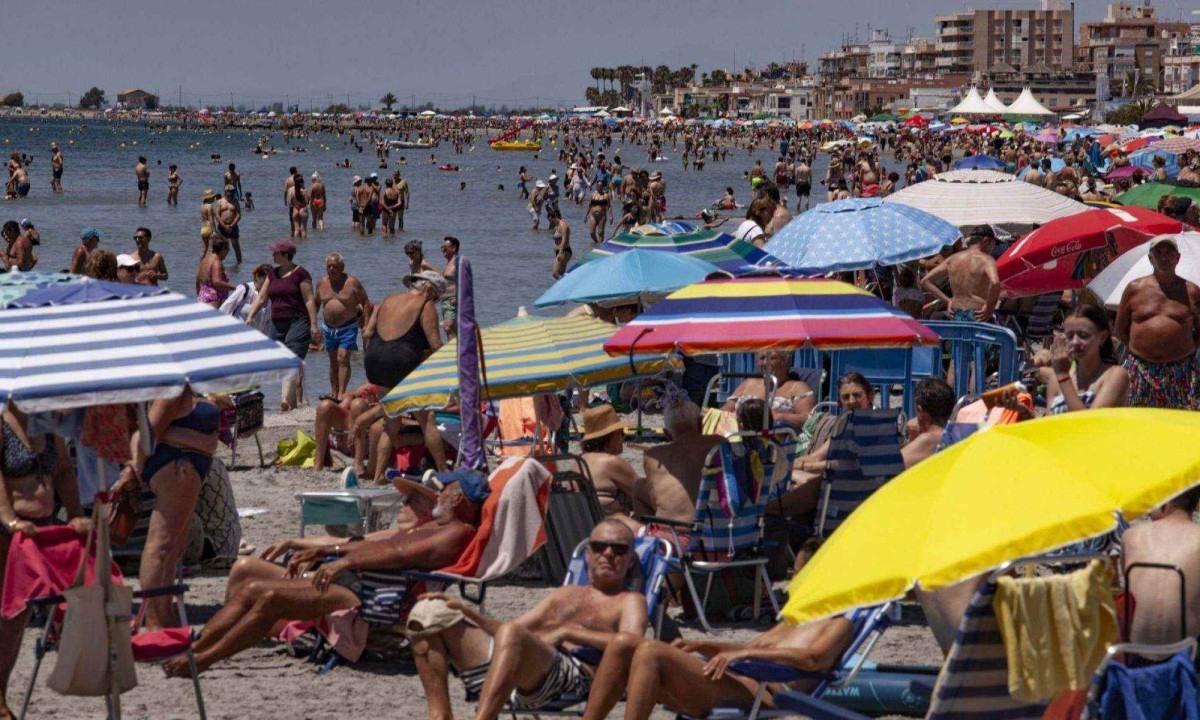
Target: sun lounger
(864, 453)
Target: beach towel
(301, 452)
(518, 421)
(1056, 629)
(512, 524)
(345, 632)
(42, 565)
(1158, 692)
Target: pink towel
(43, 564)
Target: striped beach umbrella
(977, 197)
(767, 313)
(721, 249)
(60, 356)
(860, 233)
(523, 356)
(670, 227)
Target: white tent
(972, 104)
(1026, 104)
(994, 102)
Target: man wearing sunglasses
(527, 661)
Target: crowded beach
(865, 442)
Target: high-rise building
(1130, 43)
(975, 41)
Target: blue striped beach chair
(717, 541)
(864, 453)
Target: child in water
(249, 200)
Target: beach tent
(975, 197)
(1026, 104)
(972, 104)
(1162, 115)
(994, 102)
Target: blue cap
(89, 232)
(26, 223)
(474, 485)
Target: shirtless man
(974, 280)
(89, 238)
(779, 215)
(614, 478)
(228, 215)
(1159, 321)
(20, 181)
(56, 168)
(316, 202)
(232, 177)
(154, 267)
(1173, 538)
(391, 206)
(364, 194)
(934, 400)
(672, 469)
(530, 655)
(758, 171)
(343, 304)
(657, 189)
(450, 295)
(10, 233)
(402, 189)
(143, 180)
(288, 184)
(803, 176)
(265, 593)
(174, 182)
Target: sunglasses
(599, 546)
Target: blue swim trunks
(345, 336)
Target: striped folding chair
(722, 538)
(864, 453)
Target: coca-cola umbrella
(1065, 254)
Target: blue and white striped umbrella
(859, 233)
(62, 356)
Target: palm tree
(388, 101)
(596, 77)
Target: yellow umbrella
(1003, 493)
(959, 121)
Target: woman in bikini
(562, 243)
(206, 221)
(298, 201)
(599, 213)
(212, 284)
(793, 399)
(1084, 372)
(316, 201)
(34, 470)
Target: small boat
(412, 144)
(449, 168)
(527, 145)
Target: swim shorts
(57, 172)
(143, 184)
(22, 189)
(803, 189)
(566, 678)
(1163, 385)
(449, 308)
(233, 234)
(337, 338)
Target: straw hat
(209, 195)
(600, 421)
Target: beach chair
(242, 421)
(1037, 325)
(573, 510)
(888, 369)
(362, 509)
(722, 538)
(864, 453)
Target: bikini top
(17, 461)
(204, 418)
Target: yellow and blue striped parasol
(524, 356)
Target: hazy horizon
(314, 54)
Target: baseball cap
(373, 176)
(26, 223)
(474, 485)
(124, 260)
(1165, 239)
(540, 184)
(429, 617)
(283, 246)
(357, 179)
(88, 233)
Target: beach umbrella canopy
(1046, 137)
(16, 283)
(1148, 194)
(670, 227)
(727, 252)
(60, 356)
(1066, 253)
(768, 313)
(1135, 263)
(524, 356)
(632, 275)
(1056, 164)
(975, 197)
(860, 233)
(979, 162)
(1007, 492)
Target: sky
(499, 52)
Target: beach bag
(83, 648)
(222, 531)
(741, 475)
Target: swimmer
(462, 186)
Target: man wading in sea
(143, 180)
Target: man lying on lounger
(261, 593)
(524, 660)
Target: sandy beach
(266, 682)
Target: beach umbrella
(15, 284)
(1124, 171)
(471, 445)
(1110, 284)
(524, 356)
(975, 197)
(1066, 253)
(768, 313)
(1010, 491)
(1046, 137)
(634, 276)
(979, 162)
(670, 227)
(1145, 158)
(59, 356)
(1148, 194)
(727, 252)
(859, 233)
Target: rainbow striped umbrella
(721, 249)
(523, 356)
(768, 313)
